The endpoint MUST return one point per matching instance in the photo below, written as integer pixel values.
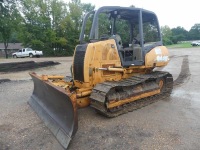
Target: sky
(173, 13)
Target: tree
(36, 27)
(9, 20)
(179, 34)
(166, 35)
(52, 25)
(71, 24)
(194, 33)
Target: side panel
(102, 54)
(157, 57)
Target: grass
(180, 45)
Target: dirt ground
(61, 69)
(173, 123)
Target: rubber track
(98, 95)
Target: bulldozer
(113, 71)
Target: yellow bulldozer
(113, 70)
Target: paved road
(172, 123)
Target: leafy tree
(9, 20)
(36, 30)
(179, 34)
(166, 35)
(194, 33)
(86, 7)
(53, 25)
(71, 25)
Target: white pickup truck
(27, 52)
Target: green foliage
(9, 20)
(166, 35)
(167, 41)
(179, 34)
(150, 32)
(37, 44)
(194, 33)
(104, 25)
(175, 35)
(52, 26)
(122, 26)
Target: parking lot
(172, 123)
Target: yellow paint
(157, 57)
(46, 77)
(83, 102)
(82, 94)
(97, 55)
(104, 54)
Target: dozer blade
(55, 108)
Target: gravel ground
(168, 124)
